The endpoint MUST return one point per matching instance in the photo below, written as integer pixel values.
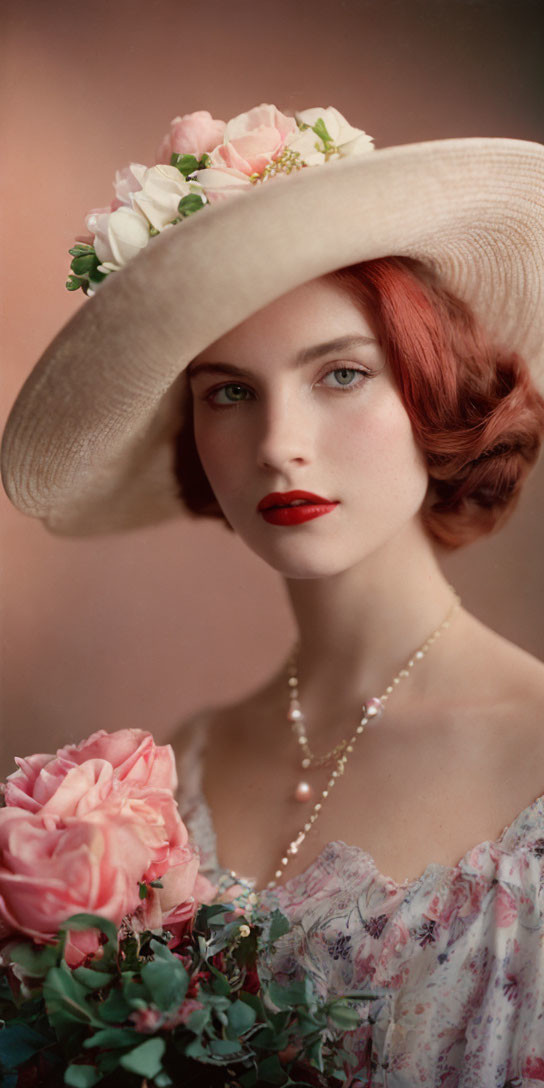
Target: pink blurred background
(141, 629)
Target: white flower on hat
(328, 135)
(162, 188)
(126, 182)
(118, 236)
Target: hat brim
(89, 443)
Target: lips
(288, 498)
(294, 507)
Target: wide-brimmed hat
(89, 443)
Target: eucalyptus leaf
(93, 980)
(115, 1008)
(284, 997)
(344, 1016)
(35, 961)
(198, 1020)
(167, 983)
(224, 1048)
(240, 1018)
(272, 1071)
(82, 1076)
(220, 984)
(146, 1059)
(19, 1042)
(83, 921)
(279, 925)
(66, 1001)
(113, 1038)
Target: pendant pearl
(303, 791)
(373, 710)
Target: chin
(301, 562)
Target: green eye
(342, 376)
(230, 394)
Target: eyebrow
(307, 355)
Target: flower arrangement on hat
(203, 160)
(120, 963)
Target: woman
(351, 414)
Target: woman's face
(282, 405)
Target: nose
(284, 436)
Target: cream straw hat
(89, 443)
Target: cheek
(378, 449)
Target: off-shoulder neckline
(354, 850)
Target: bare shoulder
(513, 677)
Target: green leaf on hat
(73, 283)
(186, 164)
(321, 130)
(190, 203)
(80, 249)
(82, 264)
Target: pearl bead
(303, 791)
(374, 708)
(294, 714)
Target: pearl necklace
(372, 711)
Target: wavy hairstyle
(475, 411)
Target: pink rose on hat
(192, 134)
(251, 142)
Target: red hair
(474, 409)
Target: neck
(359, 627)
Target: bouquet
(119, 964)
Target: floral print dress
(455, 959)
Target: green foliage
(187, 164)
(189, 204)
(120, 1018)
(84, 268)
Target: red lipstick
(293, 507)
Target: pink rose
(81, 830)
(254, 139)
(174, 905)
(48, 874)
(134, 757)
(192, 134)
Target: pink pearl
(303, 791)
(373, 710)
